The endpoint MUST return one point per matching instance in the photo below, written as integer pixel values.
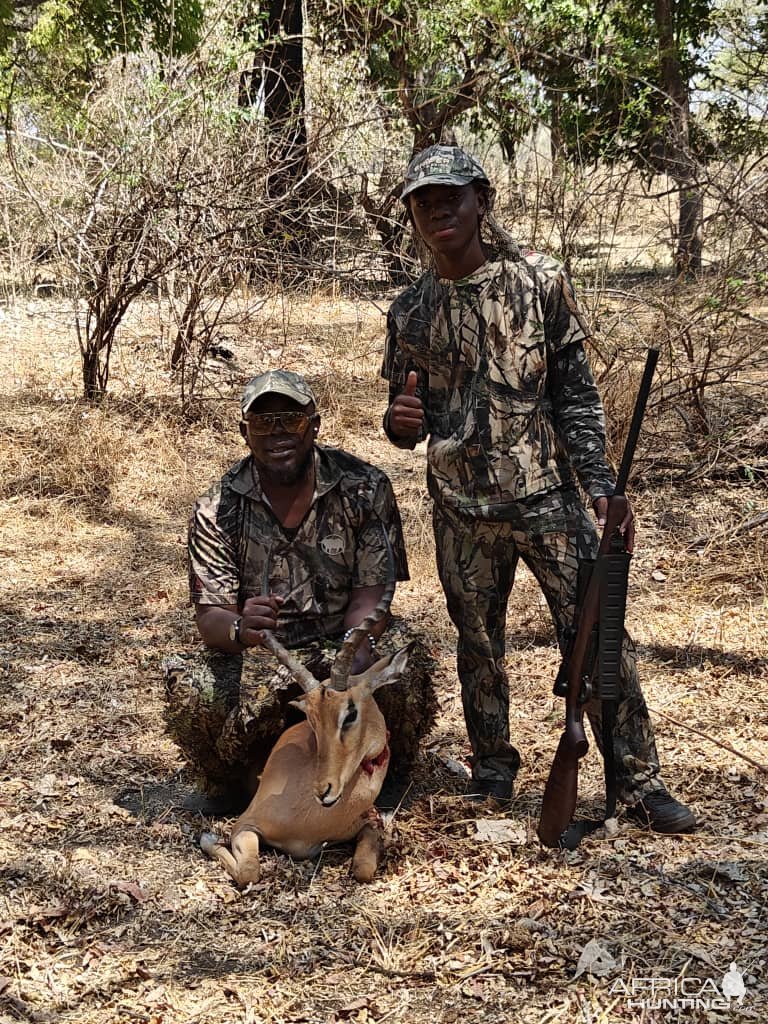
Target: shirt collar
(245, 479)
(484, 273)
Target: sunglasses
(263, 423)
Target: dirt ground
(110, 913)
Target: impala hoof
(364, 871)
(208, 841)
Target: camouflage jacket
(234, 537)
(511, 407)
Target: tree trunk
(283, 81)
(689, 235)
(279, 73)
(93, 389)
(677, 154)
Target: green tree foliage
(595, 72)
(622, 83)
(434, 61)
(592, 72)
(52, 53)
(735, 84)
(6, 22)
(110, 27)
(614, 81)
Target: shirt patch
(333, 544)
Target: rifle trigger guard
(585, 693)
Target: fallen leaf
(357, 1006)
(476, 989)
(47, 785)
(732, 870)
(41, 914)
(499, 830)
(131, 888)
(595, 960)
(595, 889)
(455, 767)
(81, 853)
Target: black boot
(660, 812)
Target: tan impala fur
(321, 779)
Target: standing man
(485, 358)
(301, 540)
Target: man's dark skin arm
(260, 613)
(361, 603)
(214, 621)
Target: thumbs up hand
(410, 385)
(406, 414)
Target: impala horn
(343, 662)
(302, 675)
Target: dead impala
(323, 775)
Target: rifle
(597, 633)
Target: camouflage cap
(277, 382)
(442, 165)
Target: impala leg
(242, 863)
(214, 847)
(367, 853)
(245, 847)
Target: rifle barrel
(637, 418)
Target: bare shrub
(167, 186)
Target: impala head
(349, 729)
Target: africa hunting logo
(683, 993)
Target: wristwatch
(234, 631)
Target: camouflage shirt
(234, 537)
(511, 407)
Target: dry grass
(110, 914)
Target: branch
(719, 743)
(743, 527)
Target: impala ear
(300, 703)
(384, 671)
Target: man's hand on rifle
(627, 527)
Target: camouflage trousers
(226, 711)
(476, 560)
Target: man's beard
(291, 474)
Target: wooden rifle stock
(559, 802)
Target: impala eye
(350, 718)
